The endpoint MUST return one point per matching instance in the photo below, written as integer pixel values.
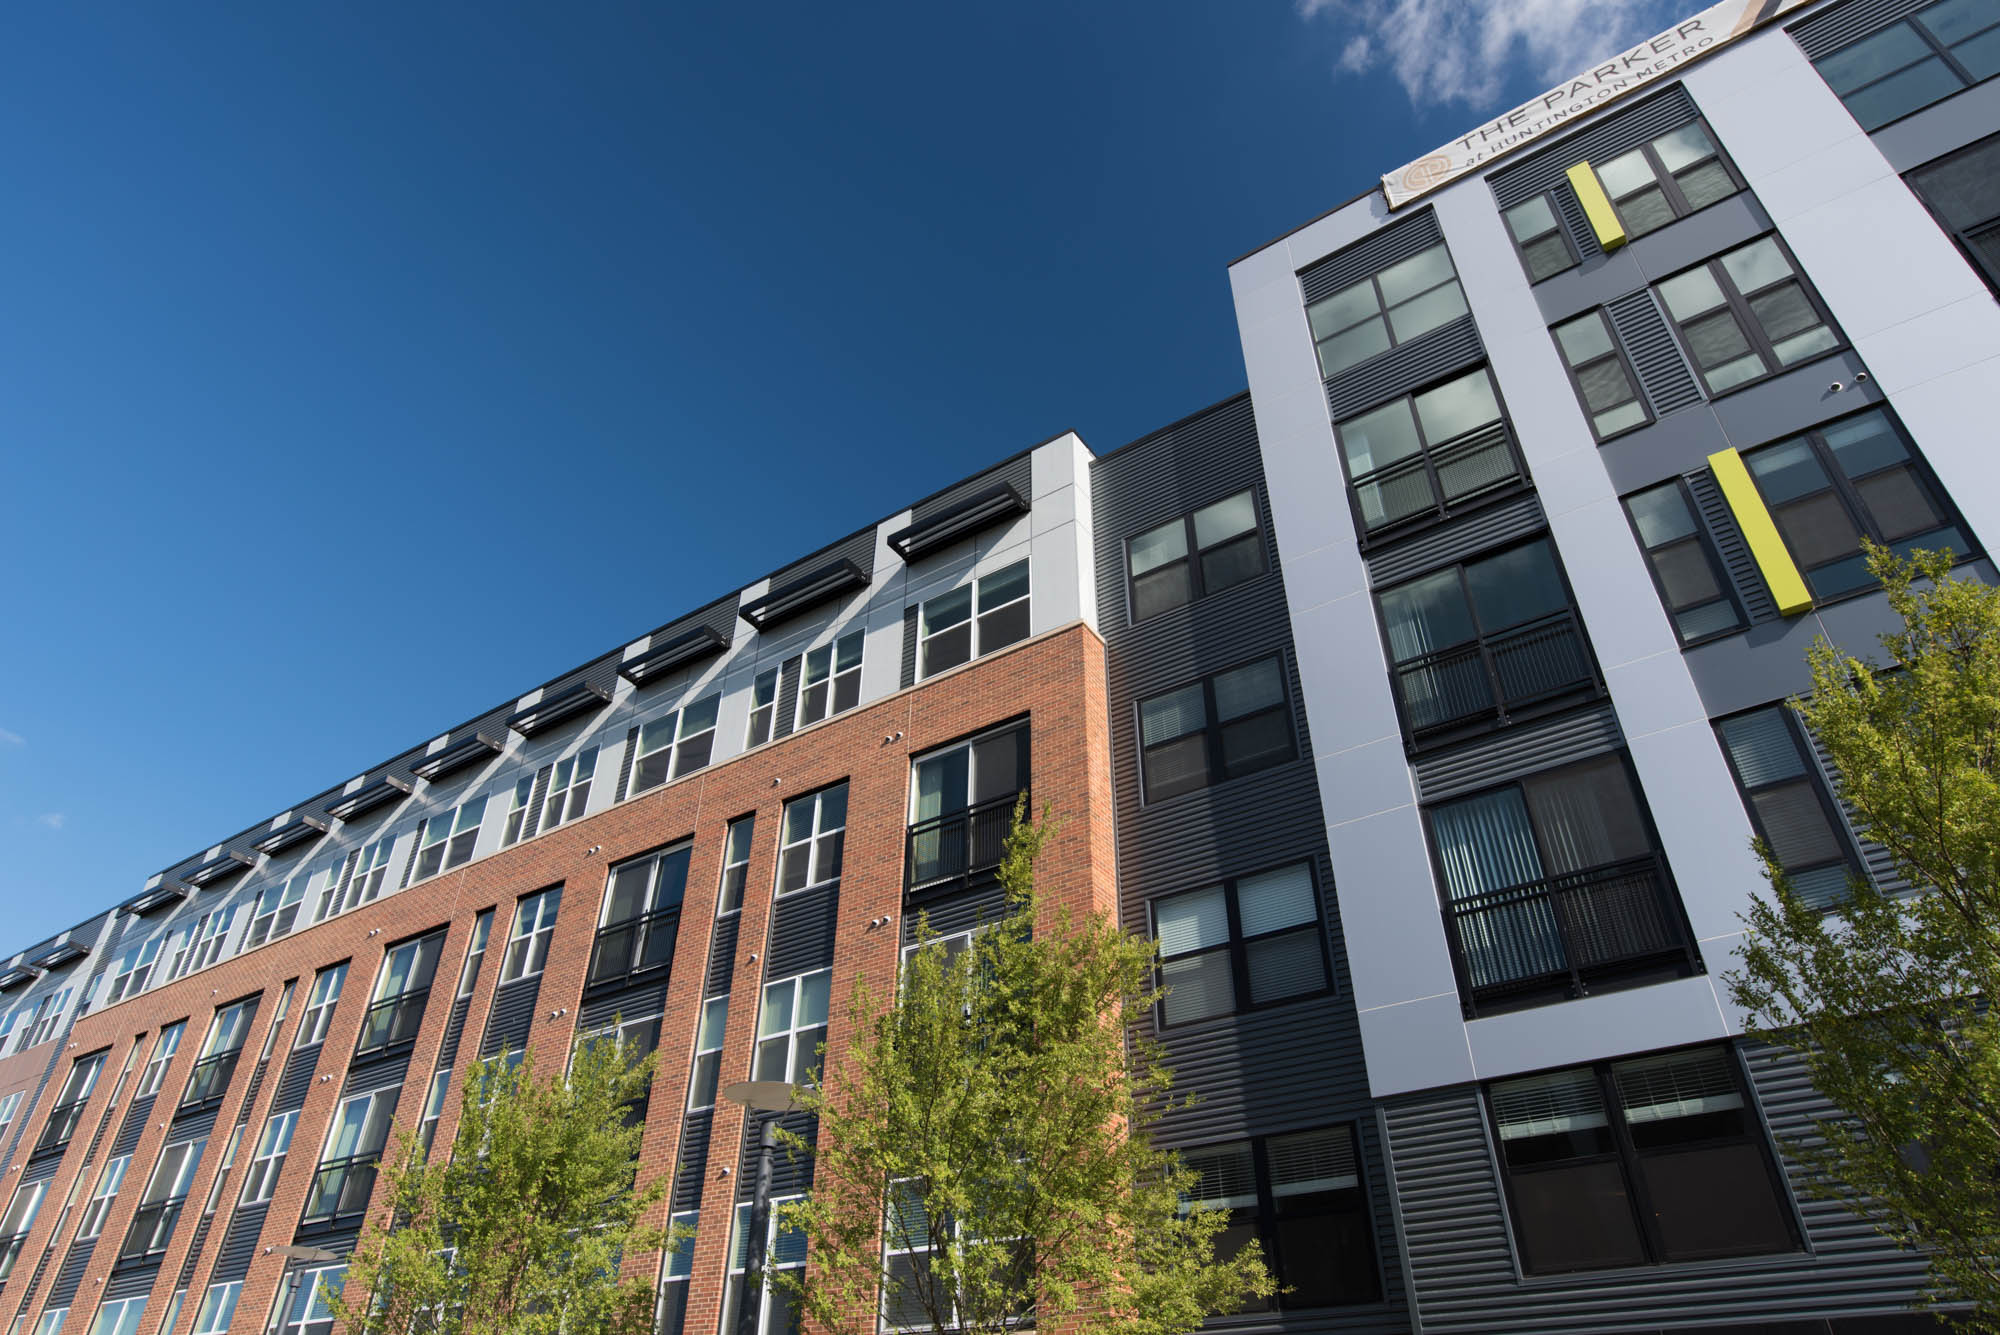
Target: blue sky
(366, 366)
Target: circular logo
(1425, 173)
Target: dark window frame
(1192, 558)
(1702, 539)
(656, 920)
(1737, 303)
(1237, 946)
(1669, 182)
(1939, 51)
(1626, 1155)
(1575, 374)
(1442, 510)
(1382, 308)
(984, 824)
(1552, 198)
(1212, 727)
(1816, 779)
(1987, 269)
(397, 1030)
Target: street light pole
(766, 1096)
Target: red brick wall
(1058, 679)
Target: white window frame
(671, 738)
(300, 1309)
(763, 708)
(475, 954)
(10, 1104)
(528, 941)
(199, 944)
(822, 842)
(836, 675)
(708, 1049)
(976, 615)
(23, 1210)
(133, 970)
(50, 1322)
(739, 1249)
(98, 1206)
(218, 1307)
(124, 1316)
(569, 788)
(454, 836)
(165, 1044)
(736, 859)
(276, 912)
(274, 1142)
(46, 1020)
(799, 1036)
(434, 1098)
(317, 1016)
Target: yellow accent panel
(1597, 206)
(1788, 587)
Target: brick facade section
(1056, 679)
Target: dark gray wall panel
(788, 698)
(133, 1126)
(1830, 29)
(1744, 576)
(1017, 473)
(295, 1080)
(791, 1170)
(131, 1283)
(722, 955)
(692, 1161)
(1381, 249)
(513, 1014)
(1516, 751)
(1663, 372)
(802, 931)
(381, 1073)
(71, 1274)
(239, 1244)
(629, 1003)
(1944, 127)
(193, 1256)
(454, 1030)
(1880, 865)
(1403, 368)
(625, 764)
(959, 912)
(1602, 141)
(1452, 542)
(194, 1125)
(908, 671)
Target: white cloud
(1465, 51)
(52, 819)
(12, 738)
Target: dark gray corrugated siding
(295, 1080)
(194, 1125)
(132, 1127)
(1575, 222)
(908, 674)
(1407, 366)
(513, 1014)
(1600, 143)
(788, 697)
(454, 1030)
(1017, 473)
(722, 955)
(1741, 567)
(239, 1244)
(959, 912)
(1452, 542)
(625, 764)
(1461, 1250)
(628, 1003)
(791, 1171)
(1877, 859)
(131, 1283)
(1513, 752)
(802, 931)
(189, 1261)
(1377, 251)
(1664, 376)
(1829, 30)
(378, 1073)
(692, 1161)
(71, 1274)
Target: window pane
(1625, 174)
(1584, 339)
(1157, 546)
(1685, 575)
(1161, 591)
(1705, 184)
(1378, 438)
(1899, 504)
(1756, 265)
(1688, 295)
(1531, 219)
(1604, 385)
(1179, 767)
(1232, 563)
(1538, 1111)
(1356, 345)
(1697, 622)
(1166, 717)
(1550, 255)
(1587, 815)
(948, 609)
(1285, 966)
(1647, 211)
(1484, 844)
(1224, 519)
(1342, 309)
(1276, 899)
(1683, 147)
(1245, 690)
(1865, 443)
(776, 1016)
(1717, 1201)
(1786, 470)
(1678, 1088)
(1718, 343)
(1427, 312)
(1426, 615)
(1795, 825)
(1198, 986)
(814, 989)
(1872, 57)
(1784, 312)
(1515, 586)
(1457, 406)
(1762, 748)
(1192, 921)
(1255, 743)
(1818, 529)
(1003, 586)
(1900, 94)
(1575, 1218)
(1954, 20)
(1964, 188)
(1424, 270)
(948, 649)
(1619, 419)
(1007, 626)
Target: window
(1598, 372)
(1420, 456)
(427, 1125)
(534, 924)
(1539, 236)
(10, 1104)
(1788, 802)
(70, 1101)
(365, 870)
(784, 1249)
(1215, 548)
(1219, 728)
(44, 1019)
(1746, 315)
(642, 910)
(815, 830)
(1473, 643)
(303, 1300)
(260, 1180)
(1685, 569)
(7, 1022)
(1832, 486)
(173, 1176)
(216, 1183)
(119, 1318)
(1300, 1197)
(1669, 178)
(475, 953)
(51, 1321)
(1963, 193)
(446, 840)
(763, 707)
(277, 911)
(962, 806)
(318, 1014)
(164, 1048)
(633, 1038)
(569, 789)
(212, 1069)
(19, 1220)
(346, 1173)
(1245, 943)
(134, 967)
(401, 990)
(106, 1191)
(1908, 65)
(735, 865)
(914, 1231)
(791, 1025)
(678, 1269)
(973, 619)
(1553, 883)
(1410, 297)
(675, 744)
(832, 681)
(218, 1305)
(708, 1053)
(1651, 1159)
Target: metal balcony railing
(152, 1228)
(954, 847)
(10, 1252)
(341, 1187)
(1425, 485)
(61, 1125)
(1490, 677)
(210, 1078)
(633, 946)
(391, 1021)
(1566, 932)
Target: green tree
(997, 1112)
(1887, 1000)
(522, 1227)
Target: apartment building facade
(1421, 701)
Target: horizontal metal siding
(379, 1073)
(194, 1125)
(791, 1170)
(788, 698)
(1518, 751)
(454, 1030)
(1575, 222)
(907, 672)
(1371, 255)
(1403, 368)
(1600, 143)
(802, 931)
(1664, 375)
(628, 1003)
(513, 1014)
(132, 1127)
(691, 1164)
(1829, 30)
(239, 1244)
(130, 1283)
(295, 1080)
(71, 1274)
(1453, 542)
(1737, 562)
(722, 955)
(625, 764)
(1017, 473)
(960, 912)
(193, 1256)
(1880, 863)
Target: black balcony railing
(210, 1078)
(951, 849)
(152, 1228)
(634, 946)
(1426, 485)
(391, 1021)
(341, 1188)
(1491, 677)
(61, 1125)
(10, 1252)
(1567, 932)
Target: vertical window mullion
(1196, 589)
(1239, 960)
(1739, 306)
(1628, 1162)
(1212, 730)
(1267, 1208)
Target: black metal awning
(804, 593)
(219, 868)
(161, 896)
(18, 976)
(564, 705)
(699, 643)
(63, 952)
(978, 511)
(291, 834)
(465, 751)
(388, 788)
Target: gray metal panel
(691, 1164)
(194, 1125)
(1664, 376)
(1381, 249)
(513, 1014)
(132, 1283)
(1751, 590)
(1017, 473)
(959, 912)
(802, 931)
(239, 1244)
(132, 1127)
(630, 1003)
(1877, 859)
(1570, 210)
(454, 1030)
(1452, 542)
(1830, 29)
(1604, 140)
(857, 547)
(791, 1171)
(71, 1274)
(295, 1080)
(193, 1256)
(722, 955)
(788, 697)
(625, 764)
(381, 1073)
(538, 794)
(1518, 751)
(908, 676)
(1405, 367)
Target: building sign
(1714, 27)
